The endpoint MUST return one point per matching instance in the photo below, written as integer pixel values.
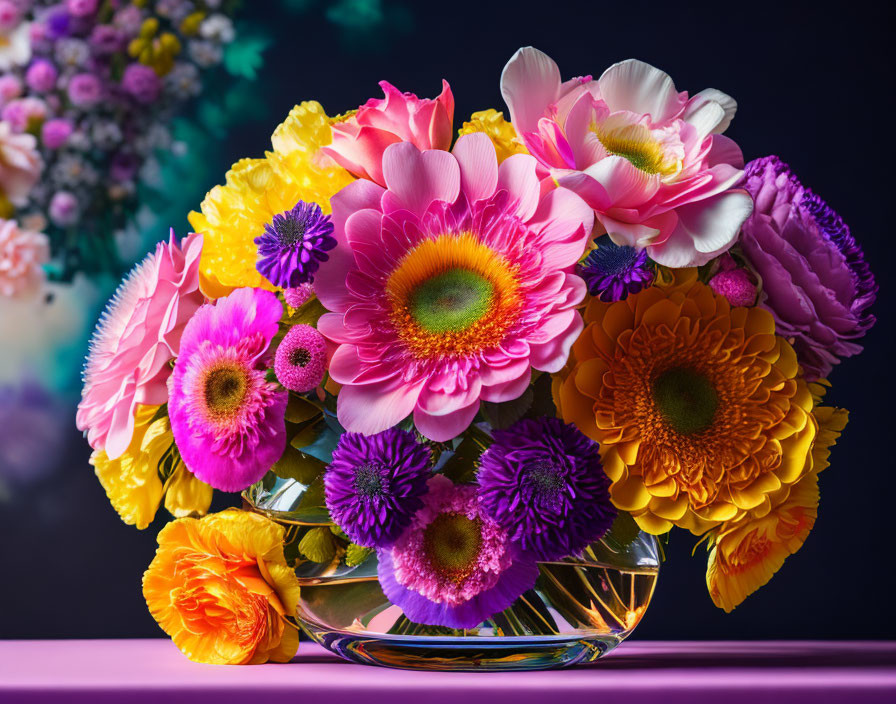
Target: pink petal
(478, 164)
(511, 388)
(626, 185)
(552, 355)
(446, 427)
(362, 155)
(416, 179)
(517, 175)
(438, 403)
(564, 222)
(725, 101)
(374, 408)
(639, 87)
(530, 82)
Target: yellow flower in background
(699, 408)
(501, 132)
(133, 482)
(220, 587)
(744, 555)
(256, 190)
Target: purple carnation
(374, 484)
(454, 565)
(815, 279)
(543, 481)
(613, 271)
(41, 76)
(294, 244)
(141, 83)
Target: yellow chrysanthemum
(234, 214)
(221, 588)
(133, 481)
(744, 555)
(501, 132)
(698, 406)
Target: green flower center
(451, 301)
(686, 400)
(452, 542)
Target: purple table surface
(722, 672)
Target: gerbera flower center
(224, 390)
(452, 543)
(453, 296)
(686, 400)
(635, 144)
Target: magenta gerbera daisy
(453, 566)
(227, 419)
(449, 286)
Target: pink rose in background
(649, 160)
(137, 336)
(359, 142)
(20, 165)
(22, 256)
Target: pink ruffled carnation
(227, 419)
(137, 336)
(22, 256)
(301, 359)
(449, 286)
(20, 165)
(651, 161)
(360, 141)
(453, 565)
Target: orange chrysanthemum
(697, 405)
(220, 587)
(744, 555)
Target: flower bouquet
(467, 386)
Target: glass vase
(580, 608)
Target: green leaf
(503, 415)
(624, 530)
(461, 466)
(319, 545)
(356, 554)
(300, 410)
(243, 57)
(297, 465)
(542, 398)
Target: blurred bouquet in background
(87, 90)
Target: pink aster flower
(137, 336)
(359, 142)
(22, 256)
(651, 161)
(227, 419)
(20, 165)
(301, 359)
(449, 286)
(453, 566)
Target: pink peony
(228, 421)
(20, 165)
(135, 340)
(649, 160)
(359, 142)
(449, 286)
(22, 256)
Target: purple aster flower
(106, 39)
(454, 565)
(85, 90)
(294, 244)
(614, 271)
(41, 76)
(374, 484)
(543, 481)
(58, 23)
(141, 83)
(815, 279)
(301, 359)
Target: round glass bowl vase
(580, 608)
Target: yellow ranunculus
(221, 588)
(501, 132)
(234, 214)
(133, 482)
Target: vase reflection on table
(580, 608)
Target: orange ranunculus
(745, 554)
(220, 587)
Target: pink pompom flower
(649, 160)
(137, 336)
(55, 132)
(22, 256)
(85, 90)
(228, 421)
(449, 286)
(359, 142)
(301, 359)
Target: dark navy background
(813, 86)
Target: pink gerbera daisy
(449, 286)
(227, 419)
(137, 336)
